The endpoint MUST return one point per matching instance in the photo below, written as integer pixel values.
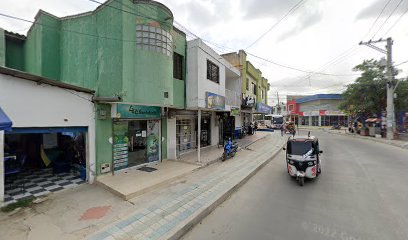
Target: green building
(130, 54)
(254, 87)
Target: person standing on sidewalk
(255, 127)
(282, 129)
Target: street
(361, 194)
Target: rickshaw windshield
(300, 148)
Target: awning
(5, 122)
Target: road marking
(329, 232)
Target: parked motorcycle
(336, 127)
(230, 148)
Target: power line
(401, 63)
(65, 30)
(124, 40)
(382, 25)
(296, 6)
(378, 17)
(396, 22)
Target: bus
(274, 121)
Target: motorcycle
(230, 148)
(336, 127)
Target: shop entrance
(205, 139)
(39, 161)
(136, 142)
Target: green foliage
(20, 204)
(367, 95)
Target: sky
(318, 36)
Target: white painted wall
(171, 138)
(197, 82)
(28, 104)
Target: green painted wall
(32, 50)
(105, 58)
(50, 43)
(79, 52)
(14, 54)
(103, 135)
(180, 45)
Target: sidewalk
(90, 212)
(212, 154)
(343, 131)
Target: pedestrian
(255, 127)
(282, 129)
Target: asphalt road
(362, 194)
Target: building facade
(212, 93)
(50, 144)
(130, 54)
(254, 87)
(316, 110)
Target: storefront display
(136, 132)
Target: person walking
(282, 129)
(255, 127)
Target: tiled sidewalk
(174, 208)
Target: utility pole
(390, 85)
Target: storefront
(187, 129)
(51, 145)
(136, 135)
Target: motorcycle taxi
(303, 157)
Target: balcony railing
(232, 98)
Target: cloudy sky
(318, 36)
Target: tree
(367, 95)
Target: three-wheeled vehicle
(290, 128)
(303, 157)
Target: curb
(405, 146)
(192, 221)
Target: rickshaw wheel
(301, 181)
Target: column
(199, 136)
(320, 121)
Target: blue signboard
(136, 111)
(263, 108)
(215, 101)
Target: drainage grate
(147, 169)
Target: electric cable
(294, 8)
(382, 25)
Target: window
(177, 66)
(154, 39)
(253, 88)
(291, 107)
(247, 84)
(213, 72)
(262, 94)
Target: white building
(52, 135)
(212, 90)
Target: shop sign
(120, 145)
(311, 113)
(136, 111)
(215, 101)
(235, 112)
(333, 113)
(263, 108)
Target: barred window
(247, 84)
(154, 39)
(177, 66)
(213, 72)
